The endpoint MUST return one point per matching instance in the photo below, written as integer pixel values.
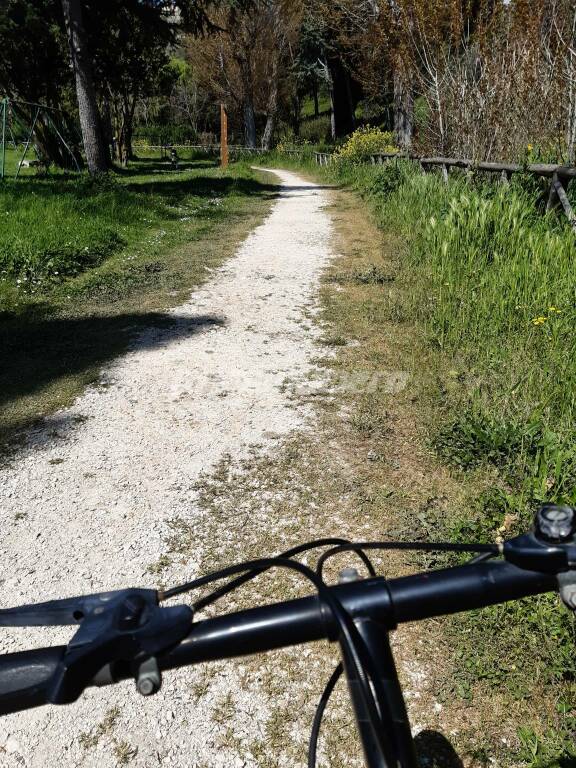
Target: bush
(316, 131)
(364, 142)
(161, 135)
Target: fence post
(564, 202)
(553, 194)
(445, 173)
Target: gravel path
(85, 506)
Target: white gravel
(85, 505)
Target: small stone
(12, 745)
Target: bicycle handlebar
(25, 676)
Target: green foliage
(316, 130)
(365, 141)
(56, 228)
(161, 135)
(49, 237)
(492, 284)
(556, 749)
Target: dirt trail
(86, 505)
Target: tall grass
(492, 279)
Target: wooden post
(445, 173)
(223, 137)
(553, 199)
(564, 202)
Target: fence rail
(560, 175)
(213, 148)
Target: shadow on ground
(38, 352)
(435, 751)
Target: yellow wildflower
(530, 147)
(539, 320)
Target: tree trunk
(127, 130)
(340, 96)
(247, 101)
(272, 109)
(94, 145)
(403, 110)
(296, 109)
(107, 128)
(249, 124)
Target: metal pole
(223, 137)
(4, 109)
(28, 142)
(72, 155)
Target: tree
(343, 25)
(129, 40)
(34, 70)
(243, 63)
(97, 157)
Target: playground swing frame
(40, 109)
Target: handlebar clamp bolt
(148, 679)
(555, 522)
(348, 575)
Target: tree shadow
(209, 187)
(39, 351)
(435, 751)
(162, 166)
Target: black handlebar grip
(24, 677)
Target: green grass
(85, 264)
(308, 105)
(488, 279)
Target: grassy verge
(484, 292)
(84, 265)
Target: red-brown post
(223, 137)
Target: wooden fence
(560, 175)
(213, 149)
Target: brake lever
(126, 626)
(60, 613)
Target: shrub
(316, 131)
(364, 142)
(157, 135)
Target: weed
(124, 752)
(90, 740)
(163, 562)
(333, 341)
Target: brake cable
(315, 732)
(484, 549)
(348, 634)
(237, 582)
